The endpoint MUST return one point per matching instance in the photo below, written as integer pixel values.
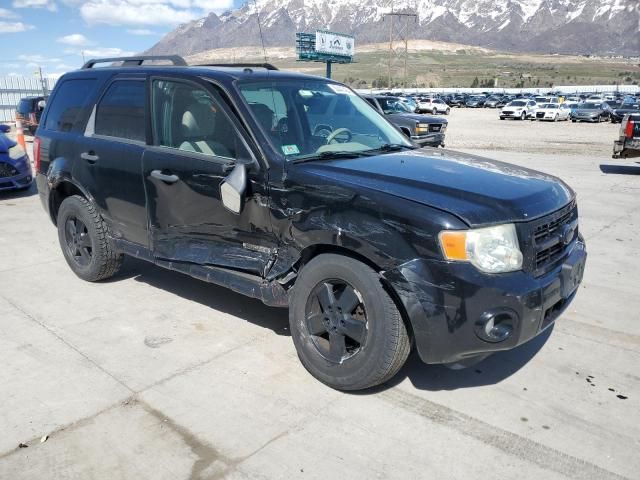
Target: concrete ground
(155, 375)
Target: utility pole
(42, 81)
(399, 35)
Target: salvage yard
(155, 375)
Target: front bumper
(510, 114)
(586, 118)
(435, 139)
(446, 302)
(23, 180)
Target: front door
(196, 144)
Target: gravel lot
(154, 375)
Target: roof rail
(176, 60)
(266, 66)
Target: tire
(383, 343)
(447, 111)
(555, 119)
(85, 242)
(523, 116)
(434, 111)
(501, 118)
(574, 121)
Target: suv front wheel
(85, 242)
(347, 330)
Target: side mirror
(233, 187)
(5, 128)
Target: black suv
(238, 176)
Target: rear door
(109, 157)
(197, 141)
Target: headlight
(16, 152)
(490, 250)
(422, 128)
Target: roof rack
(136, 61)
(266, 66)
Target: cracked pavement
(155, 375)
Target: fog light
(496, 327)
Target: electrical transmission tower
(400, 25)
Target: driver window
(189, 118)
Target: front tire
(523, 116)
(347, 330)
(447, 111)
(85, 242)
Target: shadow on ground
(13, 194)
(490, 371)
(620, 169)
(207, 294)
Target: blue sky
(54, 34)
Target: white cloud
(6, 13)
(14, 27)
(138, 12)
(48, 4)
(141, 31)
(37, 58)
(149, 12)
(76, 39)
(107, 52)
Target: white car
(433, 105)
(552, 112)
(519, 109)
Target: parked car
(552, 112)
(458, 100)
(519, 109)
(28, 111)
(617, 114)
(433, 106)
(495, 101)
(628, 143)
(589, 112)
(409, 102)
(475, 101)
(424, 130)
(294, 190)
(15, 168)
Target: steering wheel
(322, 130)
(339, 131)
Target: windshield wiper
(329, 156)
(391, 147)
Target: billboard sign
(335, 43)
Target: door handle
(165, 178)
(90, 157)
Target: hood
(5, 143)
(478, 190)
(588, 111)
(419, 117)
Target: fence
(12, 89)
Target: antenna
(264, 50)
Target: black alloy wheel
(336, 320)
(78, 241)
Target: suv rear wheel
(84, 240)
(346, 328)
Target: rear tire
(370, 347)
(85, 242)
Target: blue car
(15, 168)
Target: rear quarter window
(120, 112)
(68, 107)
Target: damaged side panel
(189, 223)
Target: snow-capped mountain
(564, 26)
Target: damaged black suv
(238, 176)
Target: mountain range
(603, 27)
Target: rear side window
(120, 112)
(69, 105)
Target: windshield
(307, 118)
(393, 105)
(549, 105)
(517, 103)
